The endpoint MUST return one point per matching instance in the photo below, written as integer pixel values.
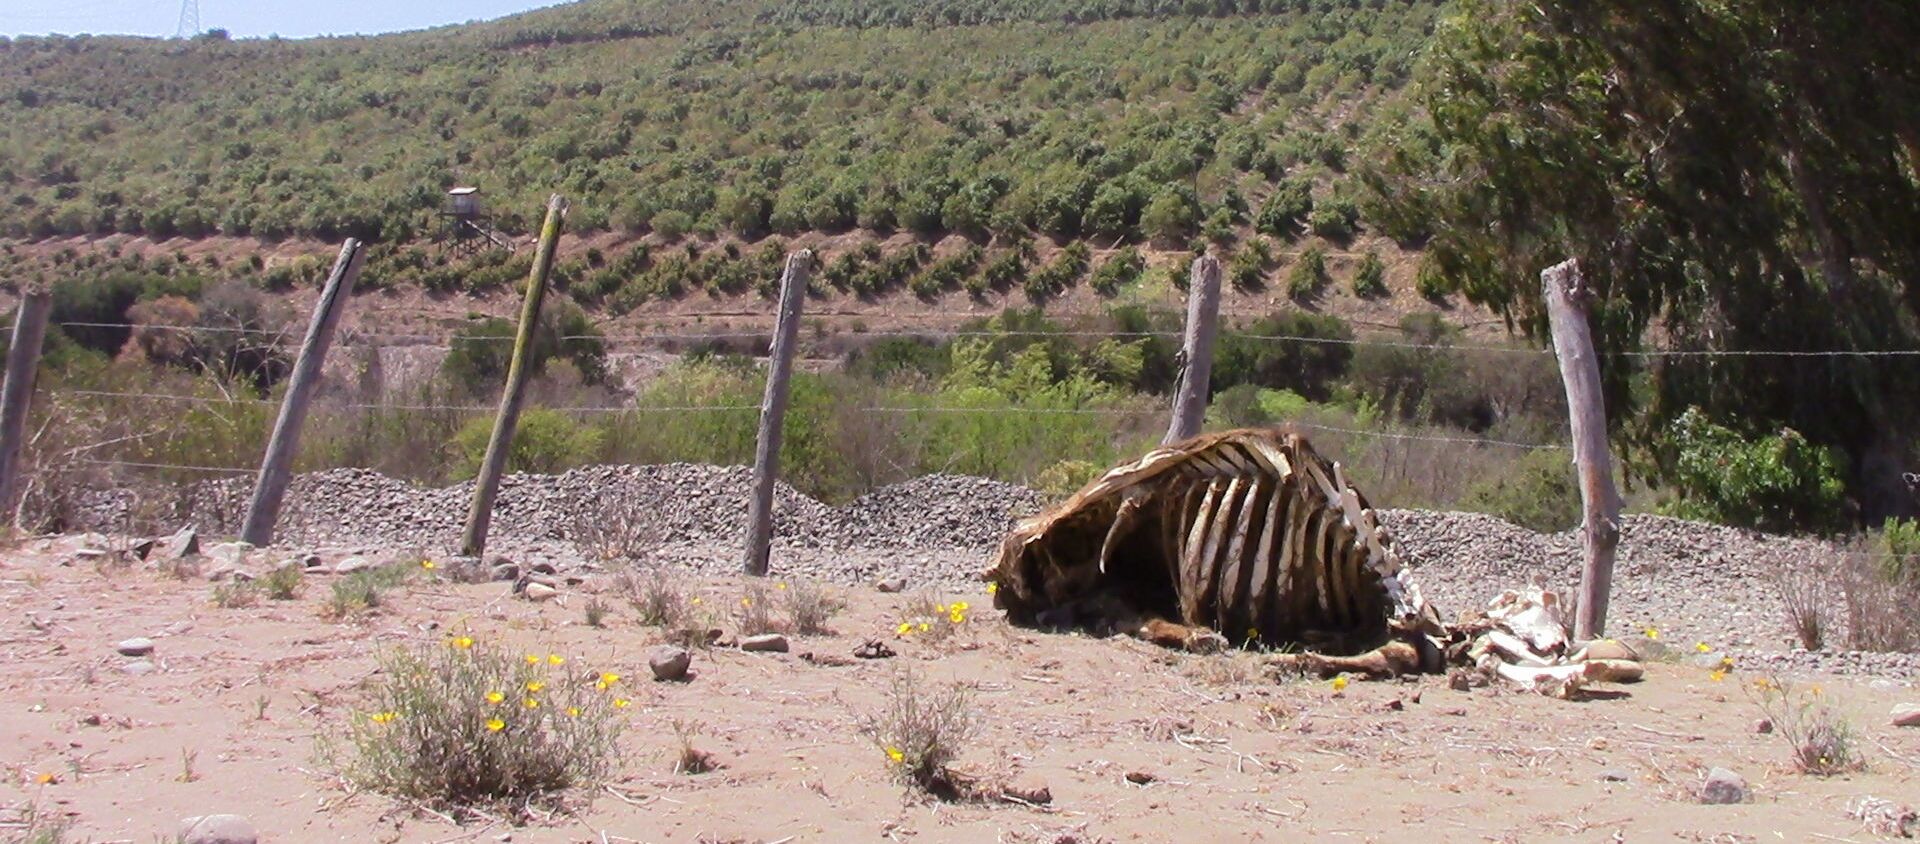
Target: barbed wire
(938, 334)
(170, 466)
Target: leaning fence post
(276, 468)
(1196, 352)
(474, 542)
(1567, 301)
(23, 360)
(773, 412)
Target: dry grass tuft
(754, 612)
(236, 594)
(284, 583)
(1803, 588)
(617, 528)
(462, 725)
(1819, 737)
(658, 597)
(920, 730)
(809, 607)
(689, 760)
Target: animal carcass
(1247, 537)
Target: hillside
(1140, 119)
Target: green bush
(1120, 270)
(545, 441)
(1775, 482)
(1539, 492)
(1370, 281)
(1898, 548)
(1309, 368)
(1308, 275)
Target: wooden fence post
(276, 468)
(1567, 302)
(1196, 352)
(773, 412)
(500, 446)
(23, 361)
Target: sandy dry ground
(1233, 756)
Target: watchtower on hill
(466, 226)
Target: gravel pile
(1692, 582)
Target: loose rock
(186, 543)
(351, 565)
(1723, 787)
(218, 829)
(537, 591)
(1906, 715)
(765, 643)
(136, 646)
(1763, 726)
(890, 585)
(670, 663)
(139, 668)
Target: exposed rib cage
(1246, 532)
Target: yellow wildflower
(1703, 647)
(906, 628)
(696, 602)
(606, 681)
(895, 756)
(924, 626)
(383, 717)
(1651, 633)
(621, 703)
(957, 616)
(1253, 634)
(1339, 684)
(495, 725)
(536, 686)
(47, 778)
(495, 697)
(461, 642)
(533, 659)
(746, 602)
(1726, 663)
(573, 711)
(962, 606)
(530, 703)
(992, 587)
(556, 659)
(779, 586)
(1718, 675)
(428, 565)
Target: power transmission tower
(189, 19)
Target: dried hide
(1249, 533)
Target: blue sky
(248, 18)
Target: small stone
(351, 565)
(218, 829)
(1609, 649)
(1613, 775)
(874, 649)
(537, 591)
(311, 562)
(136, 646)
(1763, 726)
(505, 572)
(186, 543)
(1030, 791)
(670, 663)
(1460, 680)
(765, 643)
(543, 567)
(1723, 787)
(142, 548)
(1140, 777)
(1393, 705)
(139, 668)
(890, 585)
(1906, 715)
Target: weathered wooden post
(1567, 301)
(474, 542)
(276, 468)
(773, 412)
(23, 361)
(1196, 352)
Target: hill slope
(1112, 119)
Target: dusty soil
(228, 724)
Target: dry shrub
(1819, 737)
(363, 591)
(617, 527)
(596, 612)
(658, 597)
(754, 614)
(284, 583)
(465, 725)
(919, 730)
(688, 759)
(809, 607)
(1804, 594)
(236, 595)
(1882, 602)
